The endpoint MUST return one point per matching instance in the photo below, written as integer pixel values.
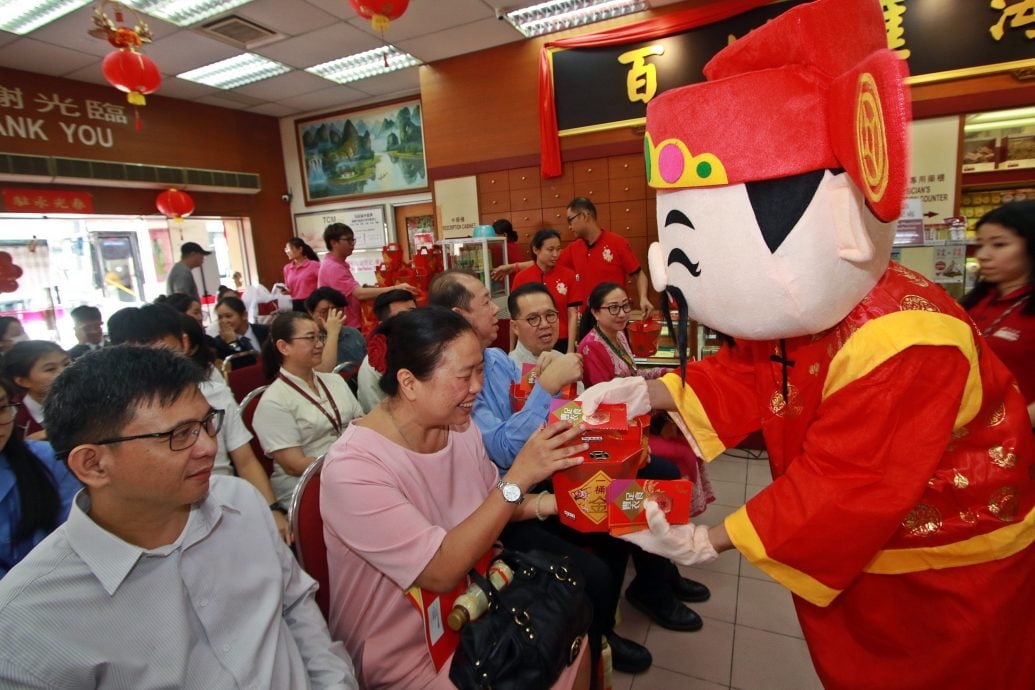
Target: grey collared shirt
(225, 606)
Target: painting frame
(360, 153)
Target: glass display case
(478, 255)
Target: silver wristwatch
(511, 492)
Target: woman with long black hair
(36, 490)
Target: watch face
(511, 492)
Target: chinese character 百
(1021, 13)
(11, 98)
(109, 112)
(642, 81)
(893, 11)
(66, 105)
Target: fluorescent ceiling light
(558, 15)
(22, 16)
(999, 124)
(236, 71)
(183, 12)
(362, 65)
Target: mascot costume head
(778, 177)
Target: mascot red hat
(798, 94)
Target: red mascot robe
(901, 511)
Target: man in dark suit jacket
(89, 330)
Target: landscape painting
(372, 151)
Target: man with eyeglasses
(335, 272)
(164, 576)
(536, 322)
(596, 256)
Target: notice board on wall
(367, 223)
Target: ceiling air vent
(241, 32)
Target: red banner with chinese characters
(47, 201)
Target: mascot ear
(853, 237)
(656, 263)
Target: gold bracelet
(539, 499)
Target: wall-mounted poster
(367, 224)
(377, 150)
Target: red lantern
(175, 204)
(132, 72)
(379, 12)
(10, 272)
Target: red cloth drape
(550, 144)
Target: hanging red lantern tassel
(172, 203)
(132, 72)
(380, 12)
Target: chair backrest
(239, 360)
(248, 405)
(307, 526)
(244, 380)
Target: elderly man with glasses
(536, 323)
(164, 576)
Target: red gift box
(625, 499)
(520, 391)
(617, 450)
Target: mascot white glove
(683, 544)
(631, 390)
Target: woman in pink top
(410, 499)
(301, 272)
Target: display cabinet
(478, 255)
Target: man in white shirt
(163, 576)
(535, 320)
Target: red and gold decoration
(380, 12)
(46, 201)
(175, 204)
(10, 272)
(126, 68)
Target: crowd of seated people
(409, 494)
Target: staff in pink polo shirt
(335, 272)
(301, 272)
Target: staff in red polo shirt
(596, 256)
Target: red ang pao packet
(608, 417)
(625, 498)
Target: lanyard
(619, 352)
(336, 425)
(991, 329)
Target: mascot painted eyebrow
(902, 511)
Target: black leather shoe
(686, 589)
(663, 608)
(628, 656)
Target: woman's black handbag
(533, 629)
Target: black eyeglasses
(8, 412)
(571, 218)
(182, 436)
(613, 309)
(535, 319)
(312, 337)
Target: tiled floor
(751, 639)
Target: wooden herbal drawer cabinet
(596, 191)
(493, 182)
(629, 218)
(590, 170)
(494, 202)
(557, 193)
(524, 199)
(556, 218)
(631, 165)
(522, 178)
(626, 188)
(527, 218)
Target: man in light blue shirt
(163, 576)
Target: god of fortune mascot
(901, 511)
